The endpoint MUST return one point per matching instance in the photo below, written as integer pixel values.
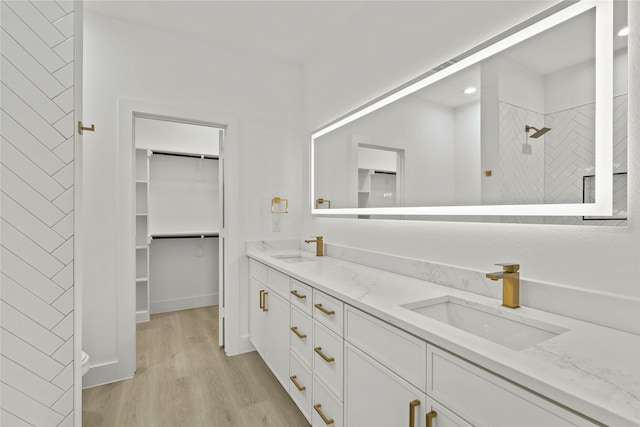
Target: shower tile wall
(521, 175)
(554, 170)
(36, 367)
(569, 155)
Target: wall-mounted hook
(83, 128)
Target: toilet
(85, 363)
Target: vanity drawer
(329, 311)
(402, 353)
(301, 296)
(326, 409)
(300, 378)
(258, 271)
(483, 398)
(302, 336)
(328, 358)
(278, 282)
(444, 417)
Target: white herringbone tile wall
(559, 160)
(570, 155)
(37, 173)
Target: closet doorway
(179, 215)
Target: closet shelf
(142, 214)
(142, 279)
(192, 155)
(185, 235)
(142, 181)
(140, 247)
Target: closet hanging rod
(195, 156)
(184, 236)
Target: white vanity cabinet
(384, 373)
(375, 396)
(301, 347)
(485, 399)
(269, 318)
(328, 360)
(344, 367)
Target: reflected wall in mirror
(512, 131)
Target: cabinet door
(277, 344)
(443, 417)
(375, 396)
(257, 317)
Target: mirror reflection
(516, 128)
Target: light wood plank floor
(185, 379)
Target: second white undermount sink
(293, 258)
(492, 323)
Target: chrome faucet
(510, 284)
(319, 245)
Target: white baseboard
(176, 304)
(104, 373)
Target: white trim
(103, 373)
(78, 284)
(126, 229)
(175, 304)
(604, 95)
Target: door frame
(128, 109)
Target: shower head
(538, 132)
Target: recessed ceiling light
(470, 90)
(624, 32)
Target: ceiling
(289, 31)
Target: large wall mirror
(522, 128)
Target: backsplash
(609, 310)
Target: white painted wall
(125, 61)
(575, 86)
(467, 154)
(184, 195)
(596, 258)
(424, 130)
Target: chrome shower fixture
(538, 132)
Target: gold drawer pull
(324, 310)
(327, 421)
(264, 300)
(324, 356)
(298, 333)
(295, 383)
(295, 293)
(261, 301)
(430, 416)
(412, 412)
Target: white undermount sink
(492, 323)
(293, 258)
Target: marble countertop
(592, 369)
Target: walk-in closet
(178, 215)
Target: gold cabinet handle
(300, 335)
(261, 302)
(295, 293)
(293, 379)
(264, 300)
(430, 416)
(327, 421)
(324, 310)
(412, 412)
(324, 356)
